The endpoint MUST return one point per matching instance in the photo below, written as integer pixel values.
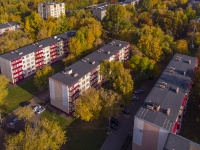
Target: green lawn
(63, 122)
(80, 134)
(25, 91)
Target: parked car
(112, 126)
(115, 121)
(40, 110)
(13, 122)
(135, 98)
(126, 111)
(140, 91)
(36, 107)
(23, 104)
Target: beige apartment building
(51, 9)
(9, 26)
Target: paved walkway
(116, 138)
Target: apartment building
(51, 9)
(65, 87)
(159, 119)
(9, 26)
(24, 61)
(100, 11)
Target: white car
(36, 108)
(40, 110)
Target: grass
(80, 134)
(54, 117)
(17, 94)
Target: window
(28, 60)
(32, 58)
(27, 56)
(28, 64)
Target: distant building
(19, 64)
(99, 12)
(51, 9)
(65, 87)
(9, 26)
(159, 119)
(129, 2)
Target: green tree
(4, 91)
(88, 105)
(42, 75)
(46, 135)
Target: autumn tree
(181, 46)
(110, 102)
(25, 113)
(88, 105)
(46, 135)
(41, 78)
(120, 78)
(4, 91)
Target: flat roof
(8, 24)
(51, 3)
(168, 98)
(177, 142)
(82, 68)
(34, 46)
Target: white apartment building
(51, 9)
(65, 87)
(9, 26)
(24, 61)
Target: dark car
(126, 111)
(115, 121)
(113, 126)
(135, 98)
(13, 122)
(23, 104)
(140, 91)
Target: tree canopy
(46, 135)
(41, 78)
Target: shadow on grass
(80, 134)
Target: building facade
(65, 87)
(9, 26)
(51, 9)
(99, 12)
(24, 61)
(162, 112)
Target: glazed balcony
(74, 88)
(15, 62)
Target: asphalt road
(115, 140)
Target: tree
(110, 102)
(88, 105)
(120, 78)
(41, 77)
(4, 91)
(25, 113)
(46, 135)
(181, 46)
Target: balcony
(93, 78)
(39, 61)
(175, 127)
(38, 53)
(72, 95)
(14, 68)
(14, 73)
(94, 82)
(74, 88)
(39, 57)
(15, 62)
